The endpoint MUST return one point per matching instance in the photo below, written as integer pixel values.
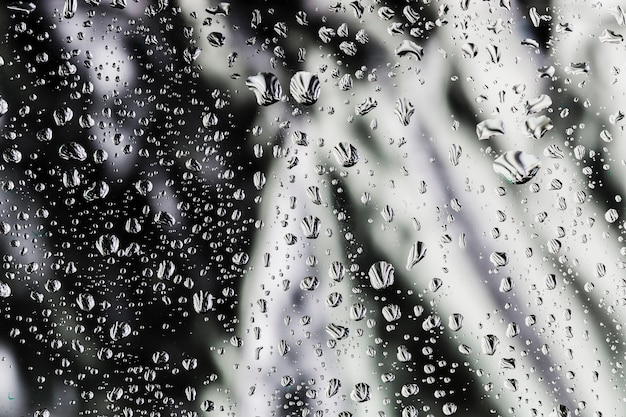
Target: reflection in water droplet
(265, 87)
(361, 392)
(538, 104)
(517, 167)
(538, 126)
(454, 153)
(381, 275)
(119, 330)
(333, 387)
(305, 87)
(404, 111)
(366, 106)
(346, 154)
(489, 128)
(410, 49)
(489, 344)
(416, 254)
(310, 226)
(337, 332)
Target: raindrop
(265, 87)
(536, 127)
(107, 244)
(391, 312)
(119, 330)
(410, 49)
(489, 344)
(455, 322)
(550, 281)
(337, 332)
(85, 301)
(346, 154)
(361, 392)
(499, 259)
(305, 87)
(416, 254)
(358, 311)
(489, 128)
(309, 283)
(5, 290)
(404, 111)
(454, 153)
(72, 150)
(300, 138)
(611, 215)
(517, 167)
(365, 107)
(333, 387)
(381, 275)
(313, 192)
(538, 104)
(202, 302)
(311, 226)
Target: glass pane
(296, 208)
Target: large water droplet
(381, 275)
(489, 128)
(517, 167)
(346, 154)
(265, 87)
(416, 254)
(305, 87)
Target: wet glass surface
(312, 208)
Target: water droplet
(85, 301)
(365, 107)
(119, 330)
(489, 128)
(332, 388)
(313, 192)
(489, 344)
(5, 290)
(337, 332)
(69, 8)
(309, 283)
(345, 82)
(404, 111)
(517, 167)
(449, 409)
(265, 87)
(358, 311)
(499, 259)
(410, 49)
(611, 215)
(4, 107)
(455, 322)
(381, 275)
(107, 244)
(361, 392)
(72, 150)
(553, 151)
(22, 6)
(346, 154)
(454, 153)
(403, 354)
(202, 302)
(300, 138)
(392, 312)
(416, 254)
(305, 87)
(536, 127)
(310, 226)
(538, 104)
